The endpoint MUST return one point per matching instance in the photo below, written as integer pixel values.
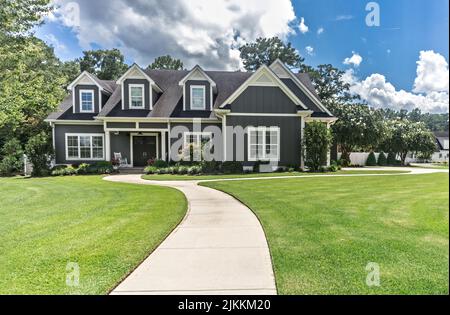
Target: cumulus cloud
(309, 50)
(320, 30)
(197, 31)
(302, 26)
(432, 73)
(57, 45)
(355, 60)
(380, 93)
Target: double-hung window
(198, 97)
(136, 92)
(196, 144)
(264, 143)
(84, 147)
(86, 101)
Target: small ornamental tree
(371, 159)
(39, 151)
(382, 161)
(316, 143)
(391, 159)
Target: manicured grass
(322, 232)
(106, 228)
(252, 175)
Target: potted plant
(115, 163)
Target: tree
(18, 17)
(166, 62)
(371, 159)
(265, 51)
(105, 64)
(358, 126)
(329, 85)
(382, 161)
(317, 140)
(12, 161)
(39, 151)
(405, 136)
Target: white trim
(224, 137)
(184, 97)
(108, 145)
(322, 119)
(156, 119)
(197, 68)
(301, 86)
(81, 91)
(302, 135)
(195, 133)
(73, 122)
(53, 136)
(191, 98)
(79, 147)
(264, 114)
(264, 130)
(136, 85)
(145, 75)
(135, 134)
(251, 82)
(84, 73)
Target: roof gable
(135, 72)
(197, 73)
(264, 76)
(85, 78)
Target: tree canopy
(166, 62)
(106, 64)
(264, 51)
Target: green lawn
(251, 175)
(322, 232)
(106, 228)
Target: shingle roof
(170, 102)
(441, 137)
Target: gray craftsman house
(140, 115)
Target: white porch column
(302, 133)
(107, 146)
(163, 146)
(329, 151)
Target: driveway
(219, 248)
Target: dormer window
(198, 97)
(86, 101)
(136, 92)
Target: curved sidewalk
(219, 248)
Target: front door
(144, 148)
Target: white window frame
(198, 134)
(264, 130)
(192, 98)
(79, 146)
(81, 101)
(130, 103)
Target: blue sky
(207, 32)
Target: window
(196, 143)
(198, 99)
(264, 143)
(86, 101)
(136, 92)
(84, 147)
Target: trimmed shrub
(382, 160)
(371, 159)
(194, 170)
(150, 170)
(100, 167)
(182, 170)
(391, 160)
(317, 141)
(210, 167)
(333, 168)
(291, 169)
(232, 167)
(160, 163)
(83, 169)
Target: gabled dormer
(87, 94)
(139, 91)
(198, 90)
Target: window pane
(85, 147)
(72, 146)
(86, 101)
(198, 100)
(136, 95)
(97, 147)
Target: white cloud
(355, 60)
(432, 73)
(199, 31)
(388, 51)
(309, 50)
(344, 17)
(381, 94)
(320, 30)
(59, 47)
(302, 26)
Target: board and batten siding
(187, 87)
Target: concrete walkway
(219, 247)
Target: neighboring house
(442, 153)
(138, 115)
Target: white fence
(358, 158)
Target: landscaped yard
(323, 232)
(252, 175)
(106, 228)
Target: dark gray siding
(301, 95)
(263, 99)
(188, 85)
(121, 143)
(153, 125)
(60, 139)
(77, 96)
(146, 84)
(290, 147)
(119, 125)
